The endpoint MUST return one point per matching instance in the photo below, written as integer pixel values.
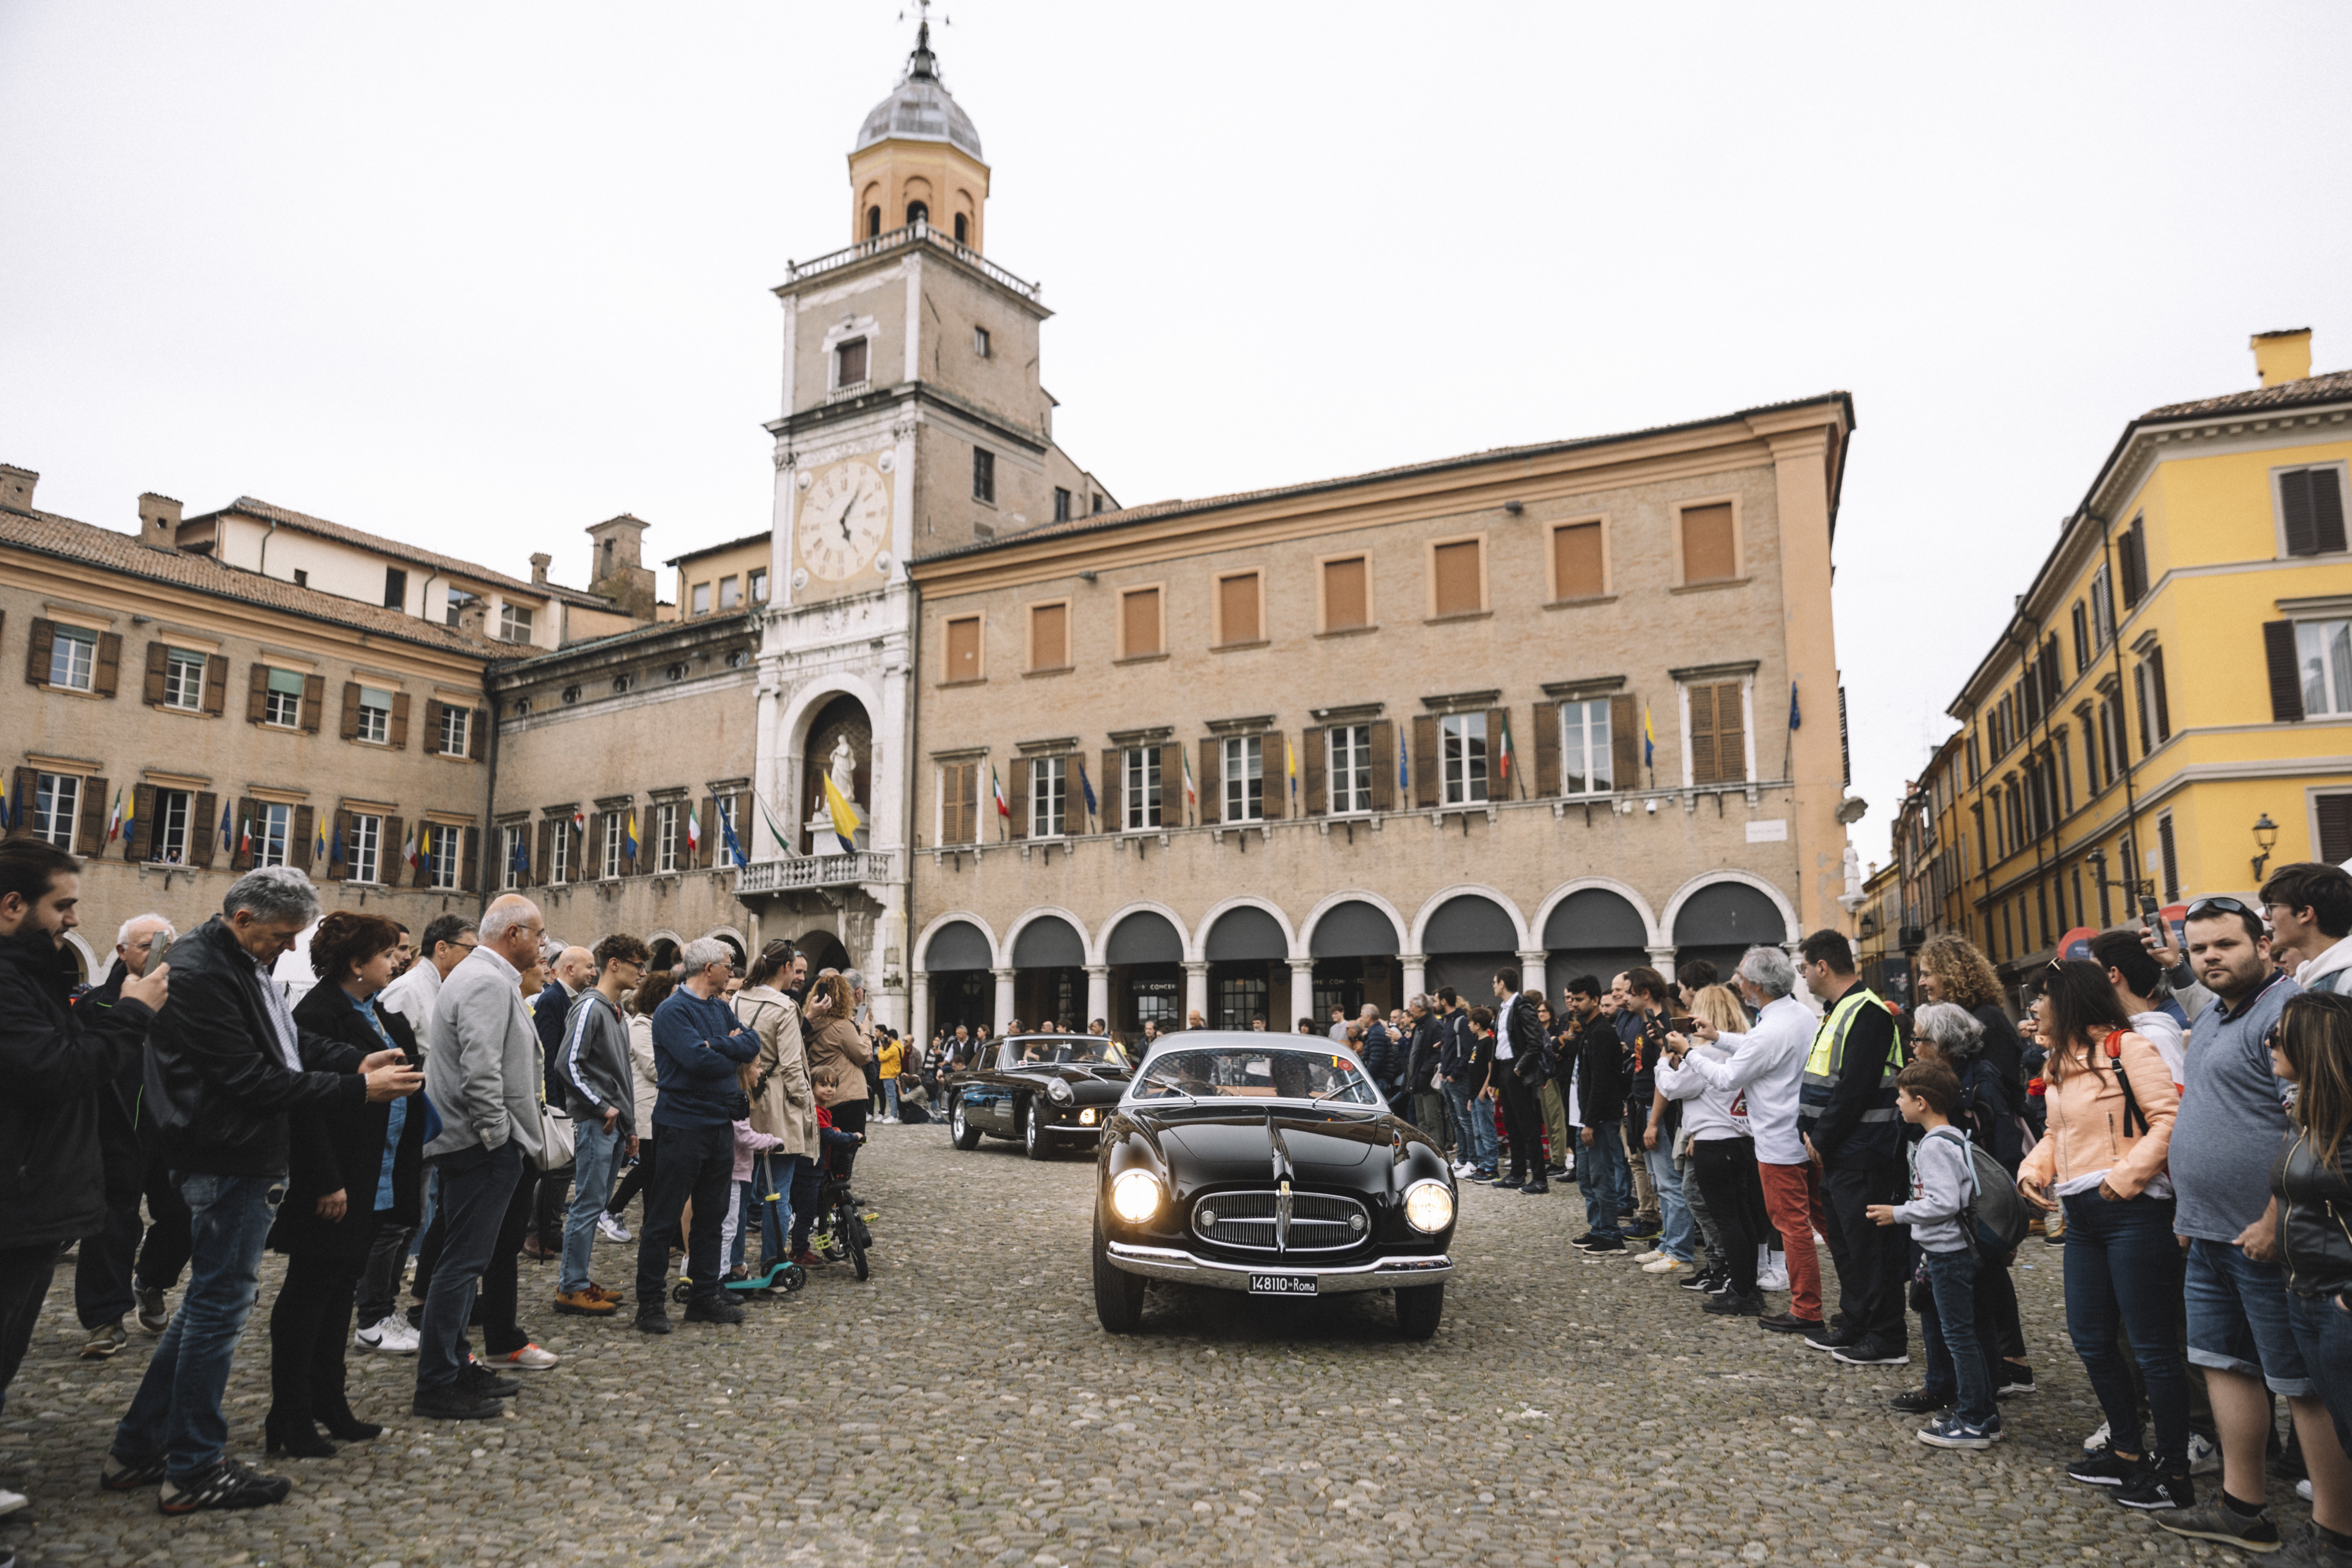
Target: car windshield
(1254, 1072)
(1078, 1049)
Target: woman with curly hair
(348, 1168)
(1952, 970)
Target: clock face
(845, 518)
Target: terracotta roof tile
(45, 533)
(2333, 387)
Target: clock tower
(913, 421)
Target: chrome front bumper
(1187, 1267)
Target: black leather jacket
(217, 1090)
(57, 1068)
(2314, 1217)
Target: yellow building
(2169, 710)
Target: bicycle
(840, 1231)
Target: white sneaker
(1773, 1279)
(2098, 1439)
(611, 1229)
(1662, 1265)
(531, 1358)
(2301, 1489)
(1652, 1256)
(10, 1502)
(2204, 1458)
(394, 1336)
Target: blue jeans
(1955, 1354)
(776, 1218)
(2238, 1319)
(177, 1411)
(890, 1096)
(1606, 1180)
(1474, 1115)
(2122, 1263)
(477, 1184)
(593, 1154)
(2323, 1333)
(1677, 1232)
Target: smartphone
(1683, 1026)
(155, 951)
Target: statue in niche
(843, 769)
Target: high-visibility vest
(1826, 1063)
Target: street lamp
(2265, 835)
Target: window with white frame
(609, 857)
(1587, 757)
(57, 807)
(73, 658)
(457, 730)
(184, 680)
(756, 585)
(2324, 652)
(375, 716)
(168, 832)
(282, 703)
(273, 833)
(511, 853)
(1462, 758)
(2103, 608)
(1244, 782)
(730, 594)
(670, 836)
(516, 623)
(447, 845)
(1139, 787)
(1049, 797)
(1348, 767)
(364, 850)
(559, 851)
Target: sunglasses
(2225, 906)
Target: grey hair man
(483, 1076)
(225, 1066)
(105, 1286)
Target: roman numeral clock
(845, 519)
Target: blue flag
(335, 850)
(1796, 719)
(227, 832)
(727, 830)
(1086, 785)
(1402, 785)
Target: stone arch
(1305, 944)
(1197, 949)
(656, 948)
(788, 795)
(1439, 900)
(92, 971)
(734, 939)
(1089, 952)
(1705, 880)
(1184, 939)
(1655, 934)
(996, 952)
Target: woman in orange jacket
(2111, 1106)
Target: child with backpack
(1941, 1215)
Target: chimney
(2282, 356)
(540, 561)
(159, 519)
(472, 617)
(17, 486)
(616, 569)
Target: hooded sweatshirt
(1942, 1183)
(2331, 971)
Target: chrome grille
(1319, 1222)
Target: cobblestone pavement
(964, 1407)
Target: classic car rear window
(1084, 1051)
(1254, 1074)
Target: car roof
(1248, 1040)
(1009, 1039)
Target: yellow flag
(845, 819)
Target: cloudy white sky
(480, 275)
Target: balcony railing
(912, 234)
(816, 871)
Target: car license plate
(1282, 1285)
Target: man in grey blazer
(483, 1077)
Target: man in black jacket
(1602, 1081)
(55, 1068)
(106, 1284)
(1426, 1043)
(1522, 1065)
(225, 1065)
(1462, 1074)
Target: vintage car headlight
(1429, 1206)
(1135, 1196)
(1059, 1091)
(1086, 1118)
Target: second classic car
(1047, 1090)
(1268, 1164)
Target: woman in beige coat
(836, 1041)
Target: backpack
(1996, 1215)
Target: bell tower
(918, 160)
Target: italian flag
(1191, 796)
(114, 822)
(996, 788)
(1507, 758)
(579, 820)
(693, 831)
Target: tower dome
(920, 108)
(917, 159)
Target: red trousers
(1792, 1196)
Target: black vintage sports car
(1048, 1091)
(1268, 1164)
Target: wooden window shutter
(1547, 734)
(2334, 814)
(1110, 790)
(1346, 604)
(1237, 607)
(546, 845)
(257, 692)
(2163, 703)
(37, 650)
(399, 721)
(1425, 761)
(1702, 733)
(2327, 509)
(629, 860)
(350, 724)
(1624, 743)
(203, 828)
(339, 835)
(1710, 550)
(1139, 620)
(963, 649)
(1384, 752)
(314, 702)
(158, 655)
(746, 836)
(2133, 550)
(1016, 795)
(1730, 736)
(1274, 774)
(1171, 785)
(90, 831)
(108, 676)
(2295, 511)
(299, 851)
(1454, 572)
(217, 685)
(240, 848)
(1576, 566)
(591, 853)
(469, 864)
(387, 854)
(708, 855)
(432, 727)
(1311, 771)
(23, 784)
(1212, 780)
(1049, 636)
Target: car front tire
(1119, 1295)
(966, 1136)
(1418, 1308)
(1035, 1142)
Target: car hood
(1224, 1147)
(1090, 1087)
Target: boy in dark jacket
(1602, 1082)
